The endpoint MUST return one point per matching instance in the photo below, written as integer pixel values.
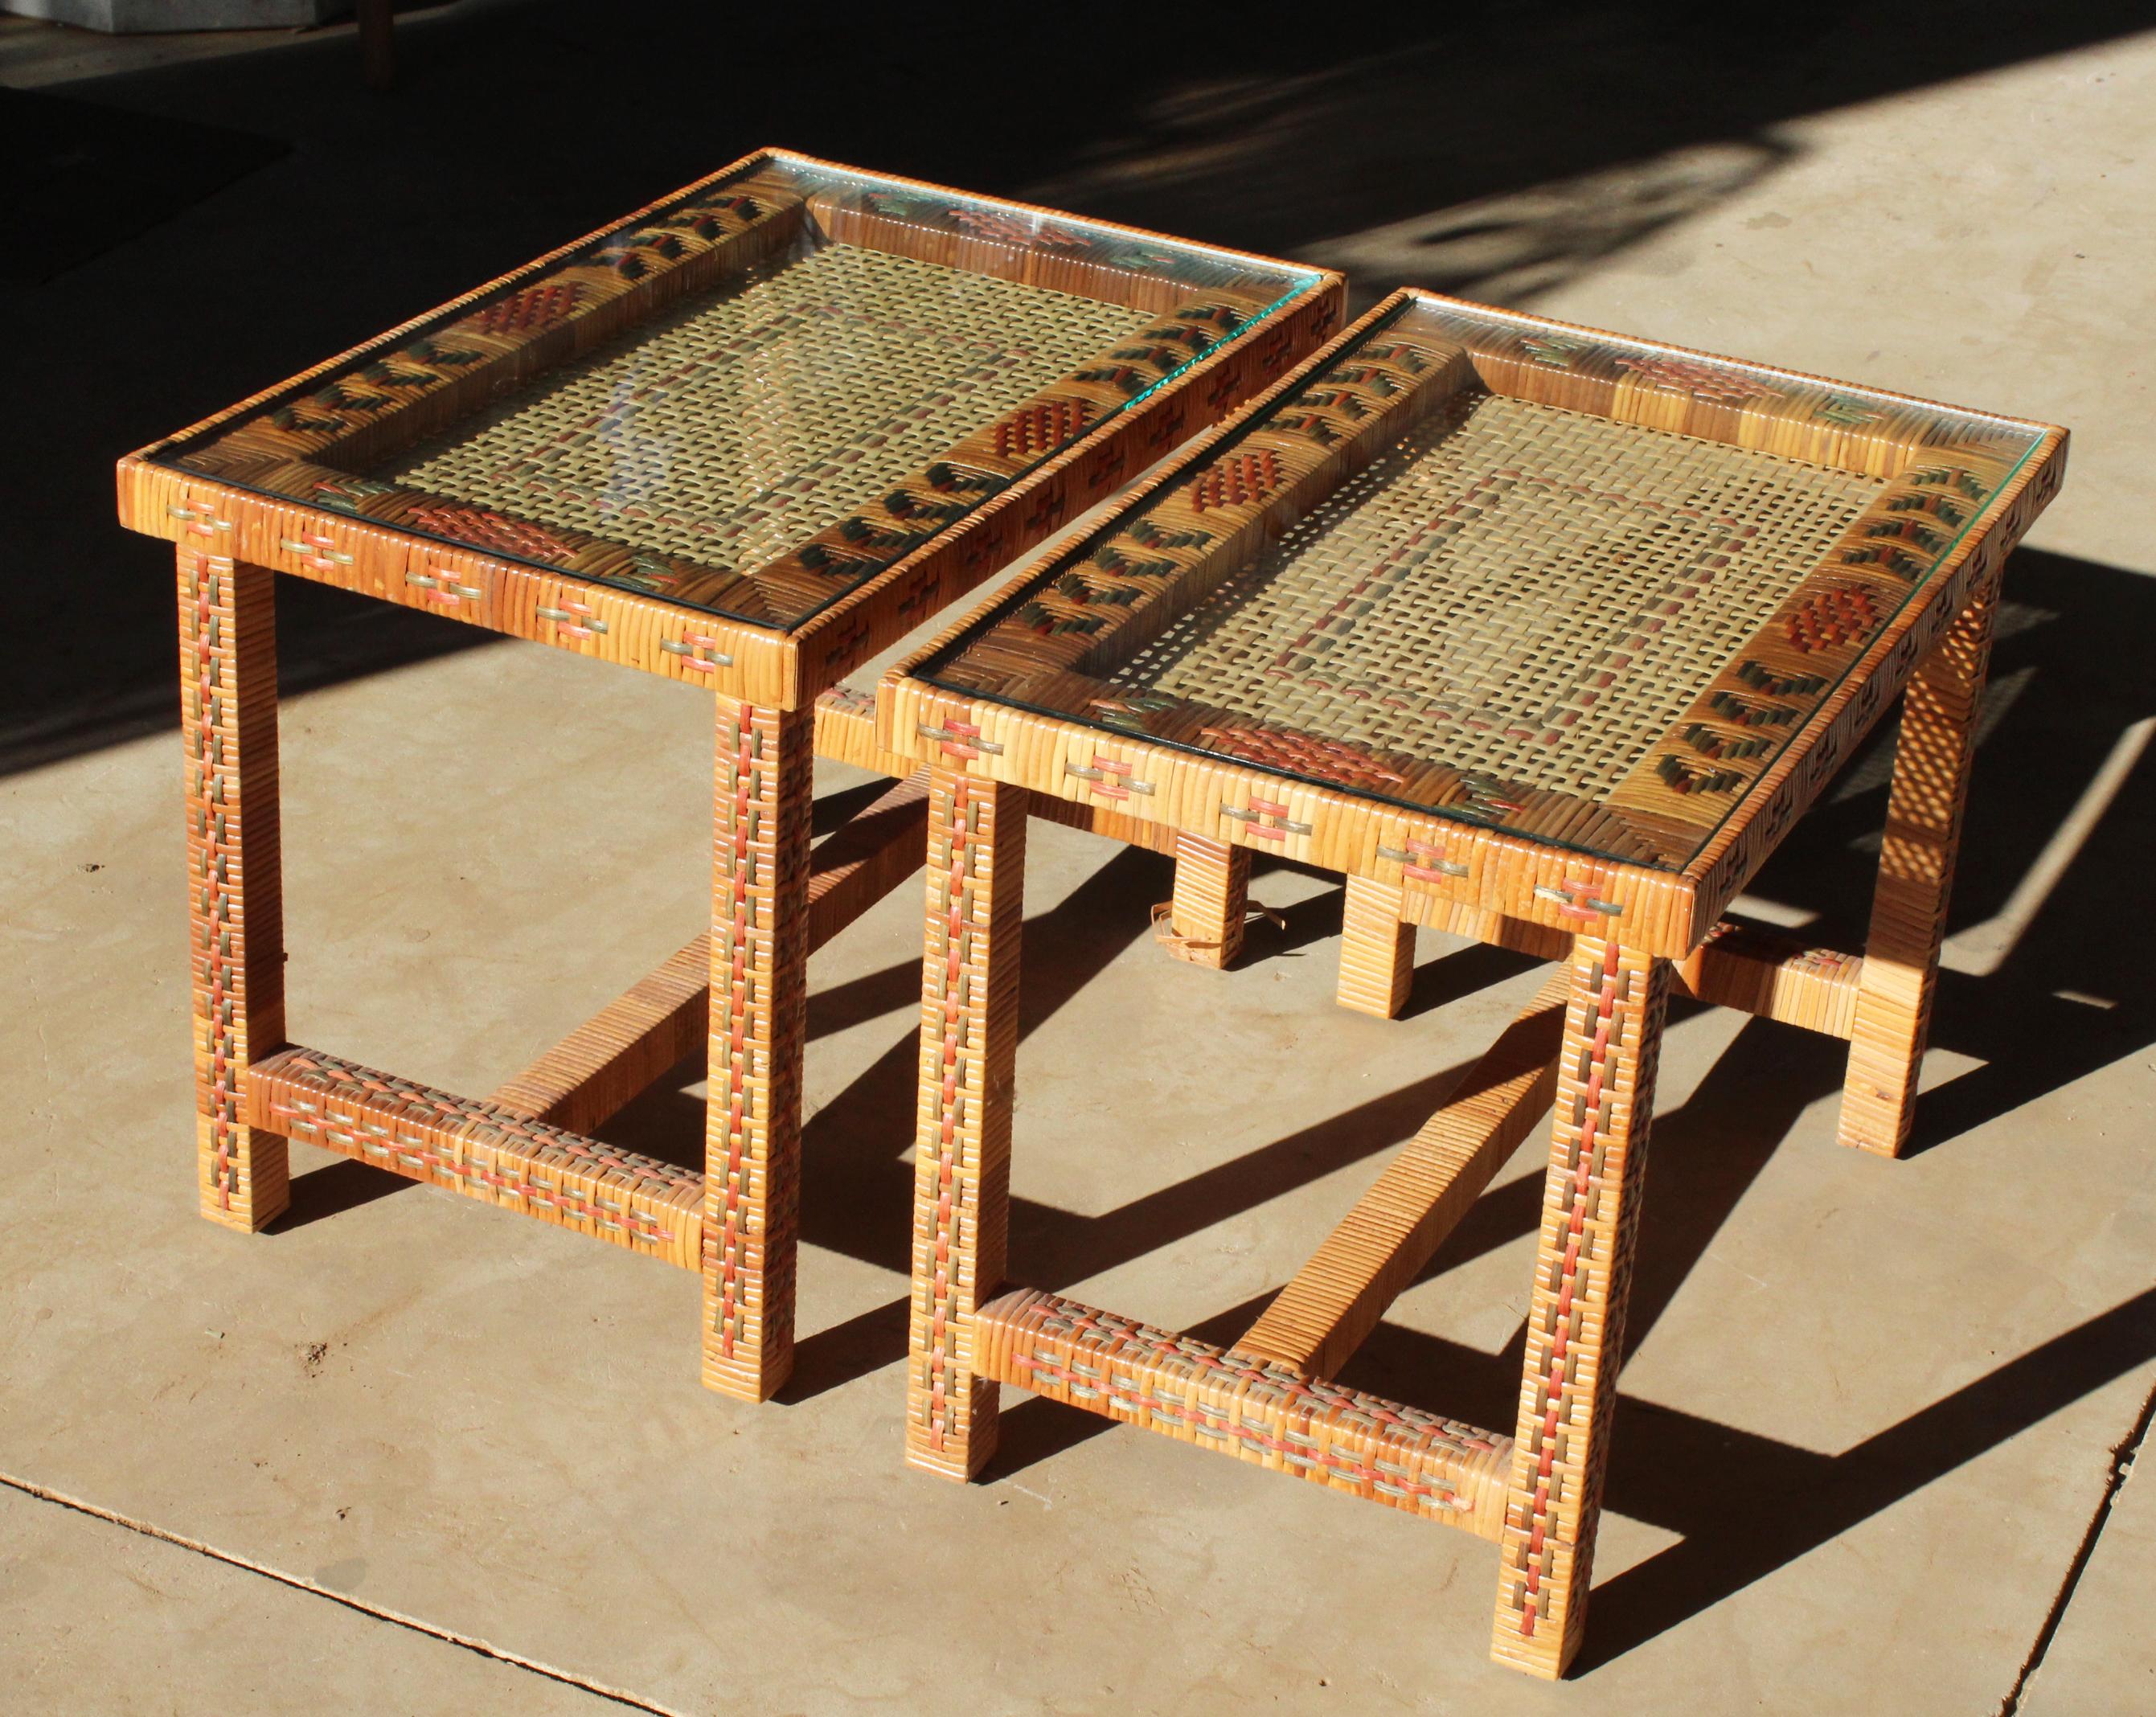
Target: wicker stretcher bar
(484, 1151)
(662, 1019)
(1257, 1410)
(1319, 1319)
(622, 1051)
(1754, 968)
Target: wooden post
(762, 805)
(1605, 1099)
(235, 904)
(1376, 950)
(1901, 968)
(1211, 897)
(961, 1160)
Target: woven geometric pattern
(733, 430)
(754, 399)
(1512, 588)
(1578, 589)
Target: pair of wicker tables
(1531, 634)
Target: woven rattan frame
(364, 535)
(1506, 867)
(1586, 1049)
(739, 989)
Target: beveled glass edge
(1308, 275)
(1467, 310)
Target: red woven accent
(216, 969)
(1016, 229)
(948, 1107)
(534, 307)
(1042, 427)
(1834, 616)
(728, 1248)
(1236, 481)
(1299, 754)
(1701, 380)
(476, 524)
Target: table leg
(763, 804)
(235, 906)
(1376, 950)
(1211, 899)
(1606, 1098)
(1901, 966)
(961, 1160)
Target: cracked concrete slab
(96, 1617)
(2103, 1658)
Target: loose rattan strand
(733, 430)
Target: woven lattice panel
(1512, 588)
(730, 431)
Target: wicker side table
(1540, 635)
(744, 438)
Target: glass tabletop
(1577, 588)
(754, 398)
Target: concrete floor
(407, 1454)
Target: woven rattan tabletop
(1566, 586)
(752, 399)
